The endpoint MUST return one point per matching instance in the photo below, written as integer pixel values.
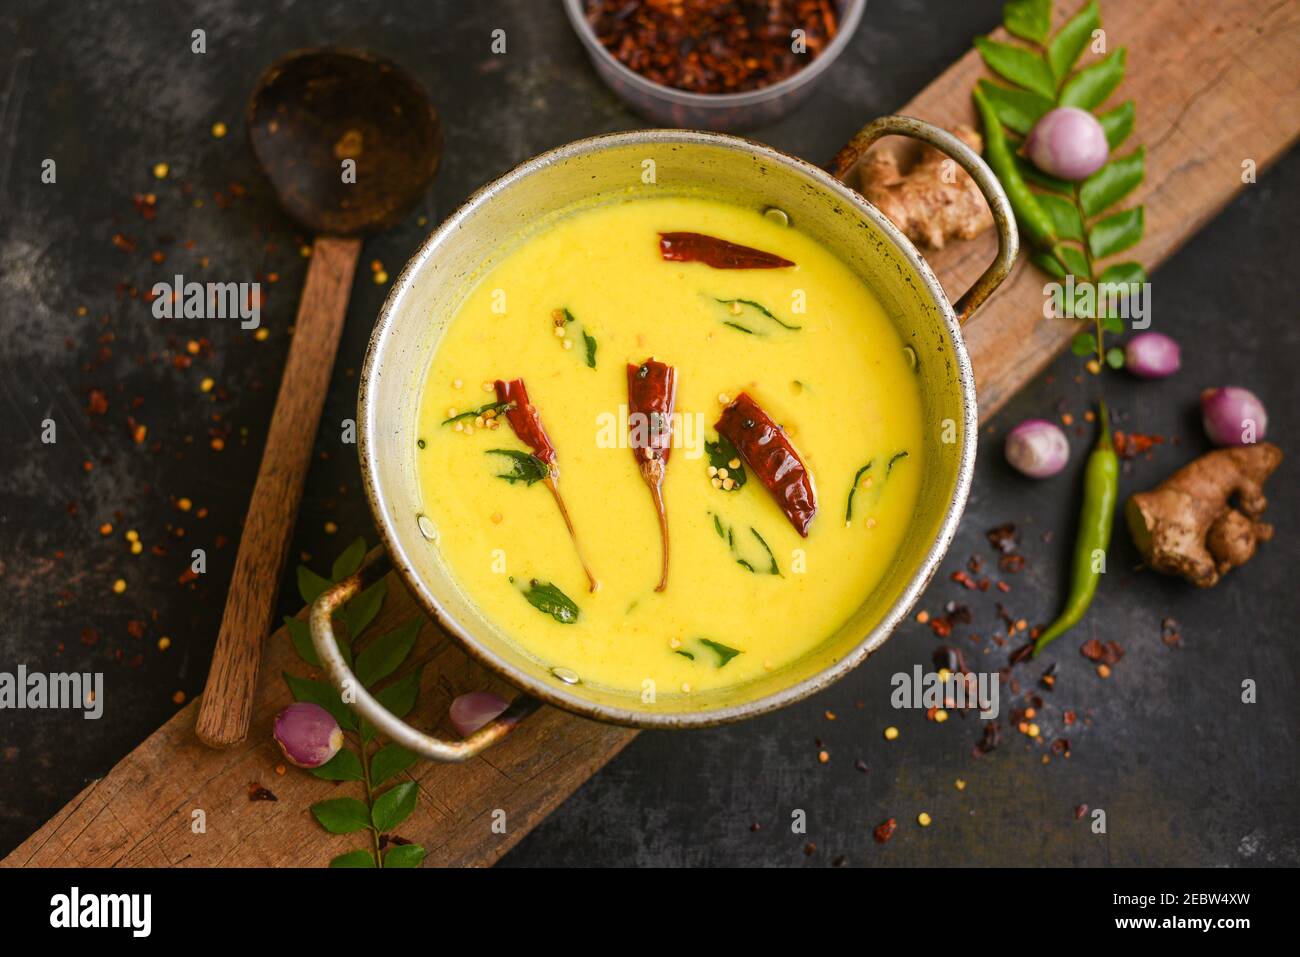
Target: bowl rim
(713, 101)
(560, 696)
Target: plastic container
(667, 106)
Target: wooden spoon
(314, 115)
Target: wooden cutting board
(1216, 85)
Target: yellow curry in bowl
(669, 444)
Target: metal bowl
(607, 169)
(667, 106)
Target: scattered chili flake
(1169, 633)
(713, 46)
(258, 793)
(124, 243)
(809, 849)
(991, 738)
(1003, 538)
(1011, 564)
(1080, 811)
(1109, 653)
(964, 579)
(884, 832)
(1129, 445)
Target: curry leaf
(1085, 343)
(390, 761)
(1090, 86)
(1064, 50)
(1118, 123)
(1064, 214)
(1112, 182)
(300, 635)
(547, 598)
(344, 766)
(361, 611)
(721, 456)
(386, 653)
(1116, 233)
(404, 855)
(399, 697)
(475, 413)
(524, 466)
(590, 343)
(310, 585)
(341, 815)
(394, 806)
(739, 305)
(1028, 19)
(354, 859)
(350, 560)
(1018, 109)
(318, 692)
(725, 652)
(1017, 64)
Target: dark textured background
(1186, 773)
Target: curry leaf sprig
(364, 758)
(1073, 226)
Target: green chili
(1033, 219)
(1096, 516)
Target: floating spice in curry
(714, 46)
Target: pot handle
(364, 703)
(1004, 221)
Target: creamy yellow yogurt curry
(671, 441)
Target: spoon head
(315, 110)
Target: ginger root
(1187, 524)
(920, 200)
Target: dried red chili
(883, 832)
(651, 396)
(524, 419)
(527, 424)
(713, 46)
(715, 252)
(766, 449)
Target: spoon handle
(227, 704)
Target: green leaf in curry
(723, 455)
(739, 305)
(310, 585)
(497, 407)
(546, 597)
(524, 466)
(724, 652)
